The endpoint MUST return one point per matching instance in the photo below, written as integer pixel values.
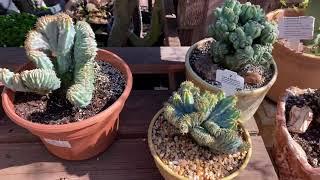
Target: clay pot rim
(209, 86)
(7, 97)
(281, 123)
(177, 176)
(311, 57)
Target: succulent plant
(63, 54)
(210, 119)
(243, 36)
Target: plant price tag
(295, 29)
(58, 143)
(230, 81)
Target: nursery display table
(22, 156)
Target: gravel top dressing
(310, 140)
(55, 108)
(202, 64)
(181, 154)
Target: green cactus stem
(243, 36)
(120, 34)
(155, 32)
(63, 54)
(210, 119)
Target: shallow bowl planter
(83, 139)
(289, 156)
(248, 100)
(295, 69)
(169, 174)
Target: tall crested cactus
(243, 35)
(210, 119)
(63, 54)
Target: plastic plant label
(297, 28)
(230, 81)
(55, 9)
(58, 143)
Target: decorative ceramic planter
(83, 139)
(248, 100)
(290, 158)
(169, 174)
(295, 69)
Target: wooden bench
(22, 156)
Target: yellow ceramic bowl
(168, 174)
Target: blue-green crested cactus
(243, 36)
(210, 119)
(63, 54)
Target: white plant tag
(58, 143)
(55, 9)
(230, 81)
(295, 29)
(300, 27)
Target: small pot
(169, 174)
(289, 156)
(248, 100)
(83, 139)
(295, 69)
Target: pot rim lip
(75, 125)
(282, 126)
(209, 86)
(177, 176)
(290, 51)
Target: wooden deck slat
(134, 119)
(146, 60)
(125, 159)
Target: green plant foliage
(243, 36)
(210, 119)
(14, 28)
(64, 55)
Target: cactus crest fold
(210, 119)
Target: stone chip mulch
(188, 159)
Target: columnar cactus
(63, 54)
(243, 36)
(210, 119)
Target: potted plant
(290, 61)
(198, 136)
(69, 95)
(242, 42)
(297, 133)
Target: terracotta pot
(295, 69)
(169, 174)
(289, 156)
(248, 100)
(83, 139)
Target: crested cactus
(243, 36)
(63, 54)
(210, 119)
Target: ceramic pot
(295, 69)
(289, 156)
(248, 100)
(83, 139)
(169, 174)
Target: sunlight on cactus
(211, 119)
(243, 35)
(63, 54)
